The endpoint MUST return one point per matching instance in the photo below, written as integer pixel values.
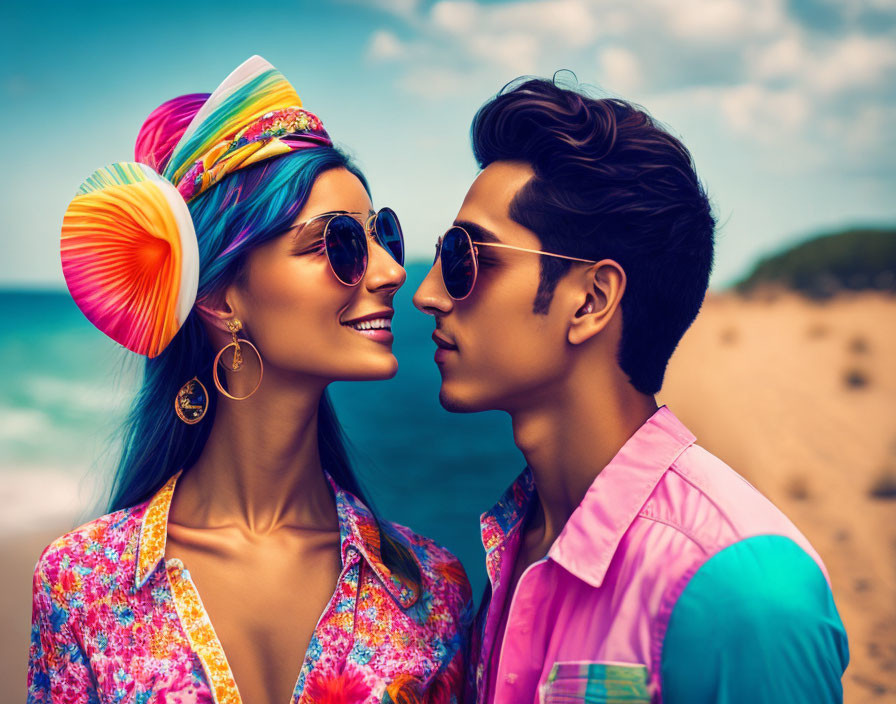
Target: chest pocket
(587, 682)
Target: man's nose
(431, 297)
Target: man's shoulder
(767, 608)
(714, 505)
(710, 475)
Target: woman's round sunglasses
(460, 260)
(345, 241)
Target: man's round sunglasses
(460, 260)
(345, 241)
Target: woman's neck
(260, 468)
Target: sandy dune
(800, 398)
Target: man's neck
(569, 438)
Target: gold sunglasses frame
(473, 248)
(369, 226)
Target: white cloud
(571, 22)
(455, 16)
(829, 66)
(505, 40)
(854, 61)
(722, 20)
(385, 46)
(785, 57)
(517, 53)
(620, 70)
(763, 113)
(752, 66)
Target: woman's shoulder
(107, 539)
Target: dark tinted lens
(346, 248)
(388, 232)
(458, 267)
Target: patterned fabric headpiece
(129, 250)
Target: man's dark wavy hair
(609, 183)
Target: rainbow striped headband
(129, 250)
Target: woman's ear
(216, 310)
(599, 297)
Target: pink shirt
(673, 580)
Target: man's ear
(597, 300)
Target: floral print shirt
(114, 621)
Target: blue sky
(787, 107)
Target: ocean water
(64, 387)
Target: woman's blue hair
(247, 209)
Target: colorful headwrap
(129, 250)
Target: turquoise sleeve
(755, 624)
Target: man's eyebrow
(478, 232)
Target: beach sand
(800, 399)
(65, 502)
(17, 558)
(796, 396)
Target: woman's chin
(378, 370)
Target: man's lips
(442, 342)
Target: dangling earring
(235, 326)
(191, 401)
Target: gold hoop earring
(235, 326)
(191, 401)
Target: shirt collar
(500, 523)
(590, 537)
(358, 529)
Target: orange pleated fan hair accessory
(130, 256)
(129, 250)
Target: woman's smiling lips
(375, 326)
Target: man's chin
(458, 403)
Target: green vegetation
(821, 267)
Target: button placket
(353, 559)
(200, 633)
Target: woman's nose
(383, 272)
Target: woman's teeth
(378, 324)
